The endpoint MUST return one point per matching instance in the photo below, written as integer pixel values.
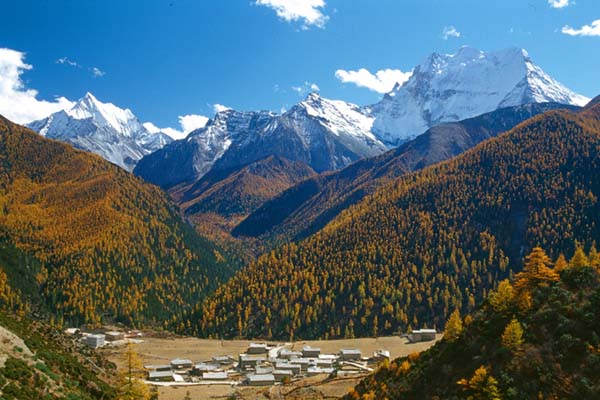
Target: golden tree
(561, 263)
(503, 298)
(536, 271)
(481, 386)
(132, 386)
(512, 338)
(579, 259)
(454, 327)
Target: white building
(94, 341)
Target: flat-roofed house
(201, 368)
(310, 352)
(263, 370)
(214, 376)
(179, 363)
(287, 354)
(257, 348)
(222, 360)
(94, 341)
(261, 380)
(285, 366)
(247, 360)
(161, 376)
(350, 355)
(422, 335)
(281, 374)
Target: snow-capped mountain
(324, 134)
(102, 128)
(449, 88)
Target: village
(259, 364)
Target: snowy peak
(337, 116)
(471, 82)
(324, 134)
(106, 115)
(102, 128)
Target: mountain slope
(37, 362)
(309, 206)
(323, 134)
(221, 198)
(102, 128)
(426, 243)
(109, 245)
(453, 87)
(556, 357)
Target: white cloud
(97, 72)
(188, 124)
(17, 102)
(305, 88)
(450, 31)
(67, 61)
(559, 3)
(220, 108)
(382, 81)
(585, 30)
(191, 122)
(308, 12)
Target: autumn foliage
(107, 244)
(426, 244)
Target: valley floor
(155, 350)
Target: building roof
(425, 331)
(252, 357)
(179, 361)
(159, 366)
(160, 374)
(206, 367)
(350, 351)
(96, 336)
(257, 346)
(214, 375)
(263, 370)
(283, 372)
(308, 348)
(261, 378)
(222, 358)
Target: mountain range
(307, 207)
(323, 134)
(425, 243)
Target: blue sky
(168, 58)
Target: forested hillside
(307, 207)
(222, 198)
(425, 244)
(536, 338)
(94, 240)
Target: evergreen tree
(454, 327)
(512, 338)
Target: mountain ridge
(425, 243)
(308, 207)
